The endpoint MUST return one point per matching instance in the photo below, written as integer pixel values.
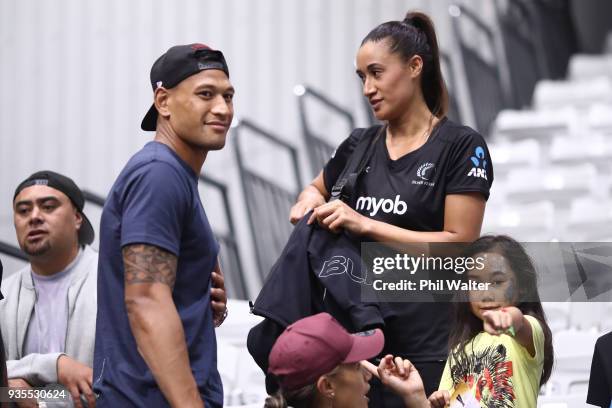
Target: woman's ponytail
(434, 89)
(301, 398)
(276, 400)
(415, 35)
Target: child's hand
(439, 399)
(498, 322)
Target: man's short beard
(41, 250)
(207, 147)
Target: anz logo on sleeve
(477, 160)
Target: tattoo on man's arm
(149, 264)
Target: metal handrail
(230, 238)
(318, 149)
(523, 51)
(453, 109)
(557, 34)
(474, 18)
(275, 198)
(11, 250)
(248, 124)
(487, 93)
(93, 197)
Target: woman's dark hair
(301, 398)
(415, 35)
(467, 326)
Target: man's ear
(79, 219)
(415, 64)
(326, 387)
(161, 101)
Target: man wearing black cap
(155, 343)
(47, 318)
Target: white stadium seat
(507, 156)
(235, 328)
(528, 124)
(557, 315)
(583, 66)
(599, 118)
(559, 184)
(590, 219)
(228, 366)
(606, 321)
(243, 380)
(590, 148)
(251, 384)
(574, 350)
(533, 222)
(564, 401)
(586, 317)
(580, 94)
(571, 370)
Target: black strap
(344, 186)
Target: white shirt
(47, 329)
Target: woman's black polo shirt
(409, 193)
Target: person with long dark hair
(501, 346)
(436, 174)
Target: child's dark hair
(415, 35)
(467, 326)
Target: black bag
(317, 271)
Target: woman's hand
(439, 399)
(308, 200)
(337, 215)
(303, 206)
(402, 378)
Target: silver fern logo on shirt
(425, 172)
(386, 205)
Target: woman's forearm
(311, 191)
(383, 232)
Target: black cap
(178, 63)
(68, 187)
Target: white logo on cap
(40, 182)
(159, 83)
(366, 333)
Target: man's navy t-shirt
(155, 201)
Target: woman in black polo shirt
(437, 174)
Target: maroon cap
(315, 345)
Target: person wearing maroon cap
(319, 364)
(155, 332)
